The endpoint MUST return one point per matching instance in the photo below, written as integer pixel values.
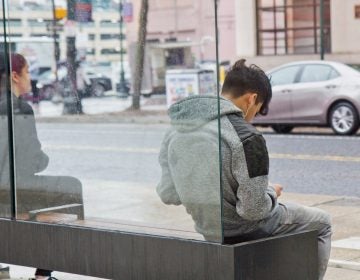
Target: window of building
(292, 26)
(40, 22)
(112, 51)
(175, 57)
(112, 36)
(110, 23)
(90, 51)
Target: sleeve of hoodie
(255, 198)
(166, 188)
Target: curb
(344, 264)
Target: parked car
(89, 83)
(315, 93)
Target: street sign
(127, 12)
(83, 10)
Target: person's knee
(325, 221)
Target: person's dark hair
(18, 62)
(2, 73)
(242, 79)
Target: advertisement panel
(83, 10)
(184, 83)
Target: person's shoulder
(243, 129)
(25, 108)
(3, 106)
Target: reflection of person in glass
(189, 159)
(34, 192)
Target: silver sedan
(316, 93)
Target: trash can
(182, 83)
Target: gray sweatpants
(296, 218)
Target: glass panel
(5, 207)
(98, 158)
(284, 76)
(315, 73)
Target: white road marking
(157, 150)
(348, 243)
(317, 137)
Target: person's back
(190, 152)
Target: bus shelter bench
(114, 254)
(31, 203)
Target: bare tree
(140, 54)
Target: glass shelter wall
(5, 198)
(88, 153)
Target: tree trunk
(140, 54)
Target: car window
(318, 73)
(284, 76)
(333, 74)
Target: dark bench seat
(109, 250)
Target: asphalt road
(127, 153)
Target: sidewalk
(345, 255)
(345, 213)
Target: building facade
(189, 21)
(270, 33)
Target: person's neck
(16, 93)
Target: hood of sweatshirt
(193, 112)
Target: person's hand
(278, 189)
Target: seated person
(189, 159)
(33, 191)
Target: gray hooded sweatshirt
(190, 163)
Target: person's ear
(252, 99)
(15, 77)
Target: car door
(282, 81)
(317, 84)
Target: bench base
(119, 255)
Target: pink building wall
(193, 21)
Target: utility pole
(322, 47)
(123, 90)
(140, 54)
(56, 46)
(72, 102)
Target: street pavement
(344, 209)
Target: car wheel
(281, 128)
(147, 95)
(98, 90)
(344, 119)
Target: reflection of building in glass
(99, 39)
